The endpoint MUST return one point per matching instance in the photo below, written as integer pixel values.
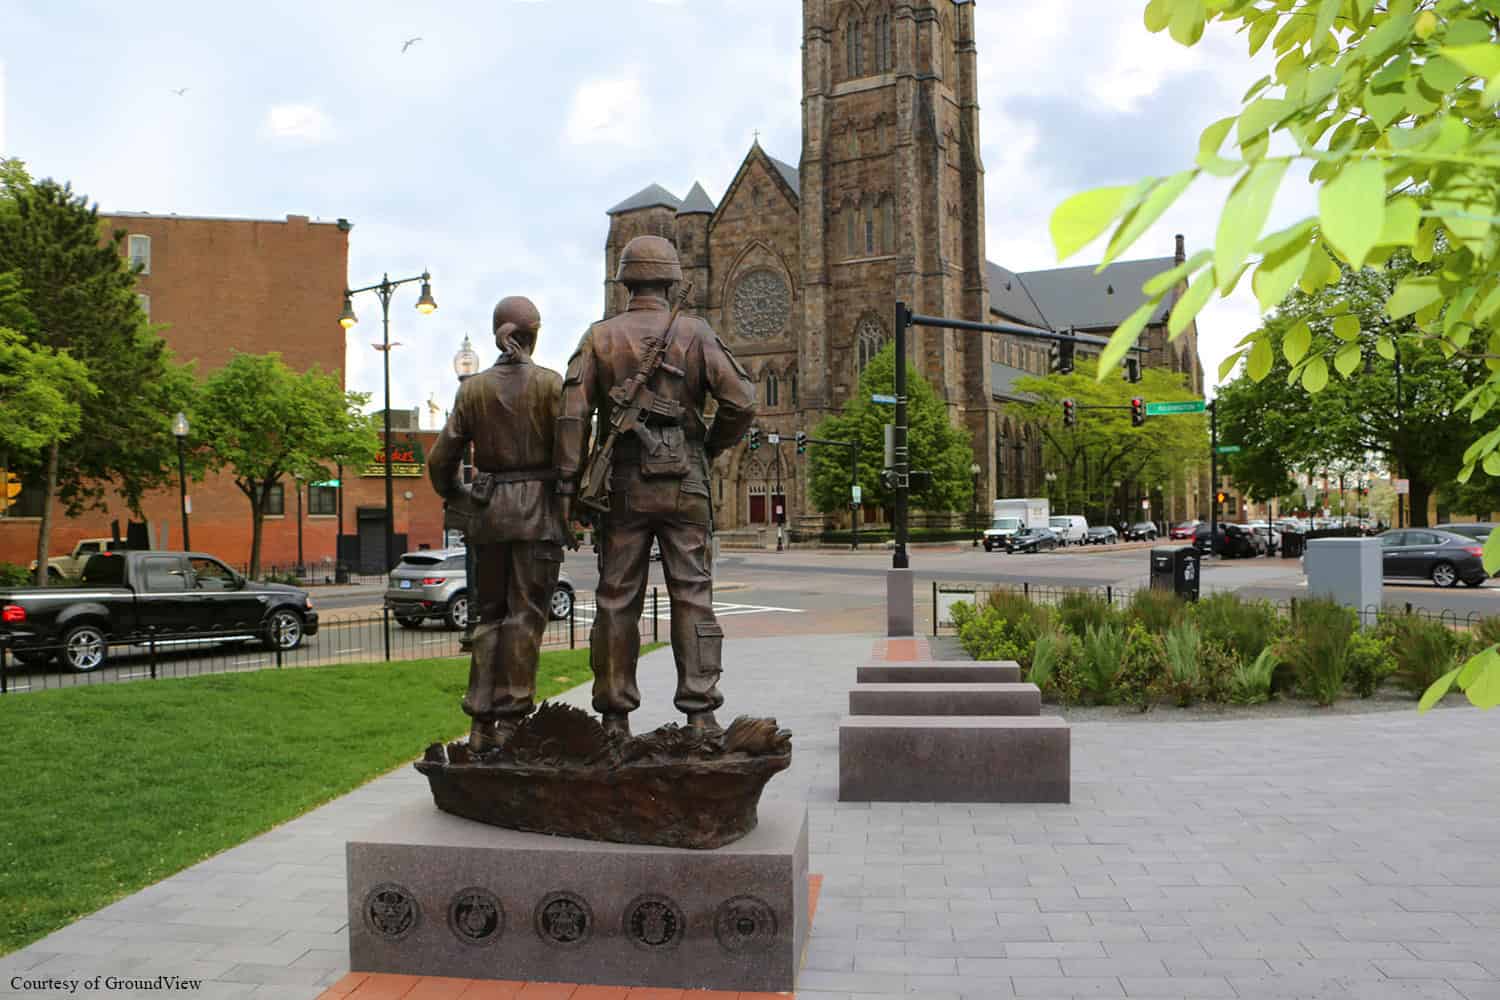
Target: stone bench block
(940, 672)
(945, 699)
(954, 759)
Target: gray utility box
(1176, 568)
(1347, 570)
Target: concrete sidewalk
(1354, 856)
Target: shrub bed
(1222, 649)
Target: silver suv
(432, 584)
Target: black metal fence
(945, 595)
(356, 638)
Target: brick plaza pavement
(1353, 856)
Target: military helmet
(647, 260)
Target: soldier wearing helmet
(659, 485)
(514, 525)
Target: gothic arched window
(855, 45)
(888, 225)
(869, 338)
(884, 50)
(849, 219)
(793, 379)
(870, 230)
(773, 389)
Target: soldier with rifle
(647, 374)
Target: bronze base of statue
(562, 773)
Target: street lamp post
(974, 509)
(466, 366)
(426, 305)
(1051, 478)
(180, 432)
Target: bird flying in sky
(180, 91)
(409, 43)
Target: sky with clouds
(489, 151)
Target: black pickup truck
(132, 597)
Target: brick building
(798, 268)
(217, 286)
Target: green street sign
(1228, 449)
(1168, 409)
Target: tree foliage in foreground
(1392, 105)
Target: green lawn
(110, 788)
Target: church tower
(893, 200)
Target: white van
(1071, 529)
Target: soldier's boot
(704, 721)
(617, 723)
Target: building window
(793, 380)
(849, 214)
(276, 500)
(144, 301)
(140, 253)
(773, 389)
(869, 230)
(869, 338)
(322, 500)
(855, 45)
(888, 224)
(884, 56)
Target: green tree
(934, 444)
(80, 293)
(1392, 107)
(1103, 446)
(262, 422)
(1413, 420)
(40, 394)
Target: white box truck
(1010, 516)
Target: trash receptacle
(1176, 569)
(1293, 545)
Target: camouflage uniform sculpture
(514, 523)
(657, 486)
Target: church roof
(697, 201)
(788, 173)
(648, 197)
(1076, 297)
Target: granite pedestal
(954, 759)
(945, 699)
(939, 672)
(436, 895)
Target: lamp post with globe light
(466, 366)
(180, 432)
(426, 305)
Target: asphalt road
(759, 593)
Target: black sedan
(1141, 531)
(1101, 534)
(1230, 541)
(1444, 557)
(1032, 540)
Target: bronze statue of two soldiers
(637, 385)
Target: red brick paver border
(915, 648)
(382, 986)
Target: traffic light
(1061, 353)
(1132, 369)
(10, 488)
(1137, 412)
(1221, 496)
(1070, 413)
(754, 438)
(801, 442)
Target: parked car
(1102, 534)
(1187, 529)
(1479, 530)
(1071, 529)
(1141, 531)
(432, 583)
(1268, 534)
(1444, 557)
(128, 597)
(1231, 541)
(71, 565)
(1000, 531)
(1032, 540)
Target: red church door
(757, 508)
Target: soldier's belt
(536, 474)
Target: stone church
(799, 268)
